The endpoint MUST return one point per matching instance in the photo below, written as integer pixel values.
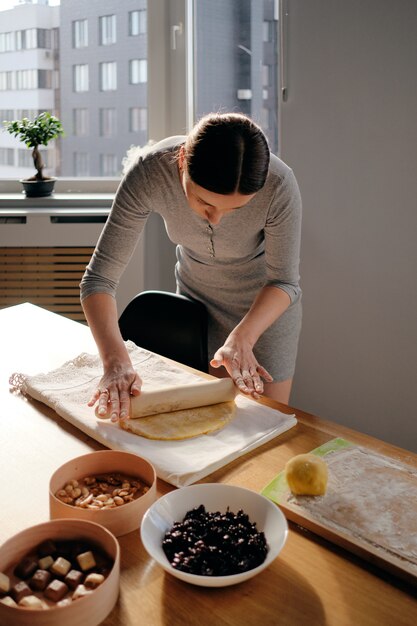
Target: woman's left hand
(237, 357)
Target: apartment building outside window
(6, 156)
(108, 165)
(80, 77)
(138, 119)
(108, 122)
(137, 22)
(80, 122)
(138, 71)
(80, 33)
(81, 164)
(107, 30)
(108, 76)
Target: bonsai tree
(38, 132)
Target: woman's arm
(120, 380)
(282, 234)
(236, 355)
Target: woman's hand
(236, 355)
(118, 383)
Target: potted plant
(38, 132)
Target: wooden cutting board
(370, 506)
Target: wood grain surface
(311, 582)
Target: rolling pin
(179, 397)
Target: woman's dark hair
(227, 153)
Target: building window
(138, 71)
(6, 156)
(138, 119)
(30, 79)
(24, 158)
(108, 165)
(6, 115)
(137, 22)
(30, 38)
(108, 76)
(80, 122)
(81, 164)
(108, 122)
(80, 77)
(107, 30)
(80, 34)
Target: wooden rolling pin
(182, 397)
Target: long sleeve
(120, 234)
(282, 238)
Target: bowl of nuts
(212, 534)
(109, 487)
(64, 572)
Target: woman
(234, 211)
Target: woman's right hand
(119, 382)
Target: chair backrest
(169, 324)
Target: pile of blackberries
(215, 544)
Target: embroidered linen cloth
(68, 388)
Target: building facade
(29, 81)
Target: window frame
(160, 122)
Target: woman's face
(209, 205)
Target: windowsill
(72, 196)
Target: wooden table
(312, 582)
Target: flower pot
(38, 188)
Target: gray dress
(222, 265)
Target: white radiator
(43, 257)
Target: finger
(114, 408)
(240, 384)
(103, 400)
(124, 404)
(136, 386)
(265, 374)
(93, 398)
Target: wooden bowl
(120, 520)
(92, 609)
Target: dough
(174, 398)
(182, 424)
(306, 475)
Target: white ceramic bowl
(121, 520)
(215, 497)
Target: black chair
(169, 324)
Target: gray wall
(349, 130)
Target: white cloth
(68, 389)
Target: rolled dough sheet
(182, 424)
(180, 397)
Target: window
(27, 79)
(6, 115)
(80, 78)
(80, 34)
(80, 122)
(6, 156)
(240, 73)
(81, 164)
(107, 30)
(137, 22)
(138, 119)
(108, 122)
(24, 158)
(30, 38)
(108, 76)
(138, 71)
(108, 165)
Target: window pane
(80, 33)
(108, 127)
(79, 69)
(240, 73)
(108, 76)
(107, 29)
(137, 22)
